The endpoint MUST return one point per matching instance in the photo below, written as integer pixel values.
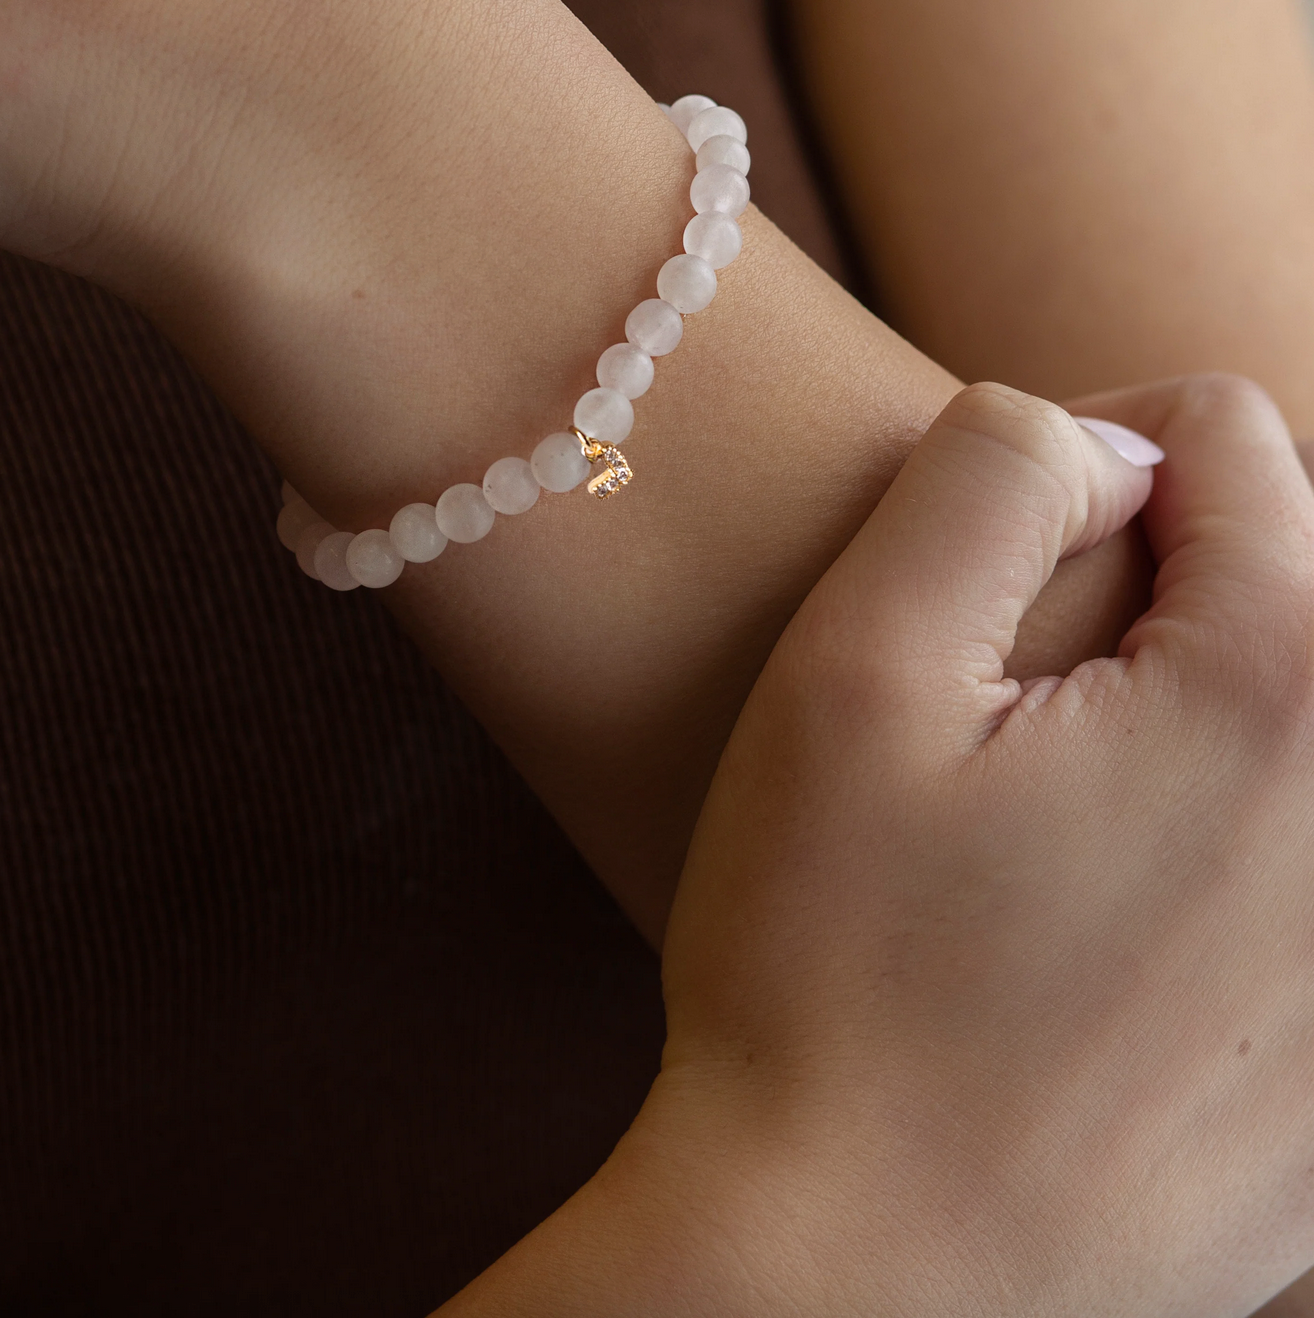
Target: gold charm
(616, 470)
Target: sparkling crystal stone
(464, 515)
(615, 473)
(510, 487)
(415, 533)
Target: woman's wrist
(718, 1205)
(398, 256)
(381, 360)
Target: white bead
(719, 188)
(415, 534)
(559, 463)
(292, 520)
(655, 326)
(331, 561)
(626, 369)
(288, 493)
(715, 121)
(464, 515)
(687, 108)
(373, 559)
(688, 283)
(715, 237)
(724, 150)
(307, 543)
(664, 108)
(605, 415)
(510, 487)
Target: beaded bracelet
(603, 417)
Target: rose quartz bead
(687, 108)
(415, 534)
(688, 283)
(373, 559)
(605, 415)
(331, 561)
(626, 369)
(715, 237)
(716, 121)
(559, 464)
(724, 150)
(307, 543)
(464, 515)
(293, 519)
(655, 326)
(510, 487)
(720, 188)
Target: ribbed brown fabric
(306, 1007)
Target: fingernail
(1138, 450)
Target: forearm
(400, 281)
(1071, 197)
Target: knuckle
(1222, 394)
(1038, 432)
(1007, 415)
(1254, 675)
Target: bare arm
(397, 238)
(1071, 197)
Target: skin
(303, 218)
(1155, 217)
(930, 1052)
(321, 213)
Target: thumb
(922, 609)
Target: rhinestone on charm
(615, 474)
(616, 469)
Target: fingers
(1231, 525)
(922, 608)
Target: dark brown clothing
(306, 1006)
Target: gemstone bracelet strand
(603, 417)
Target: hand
(990, 1000)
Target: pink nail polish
(1138, 450)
